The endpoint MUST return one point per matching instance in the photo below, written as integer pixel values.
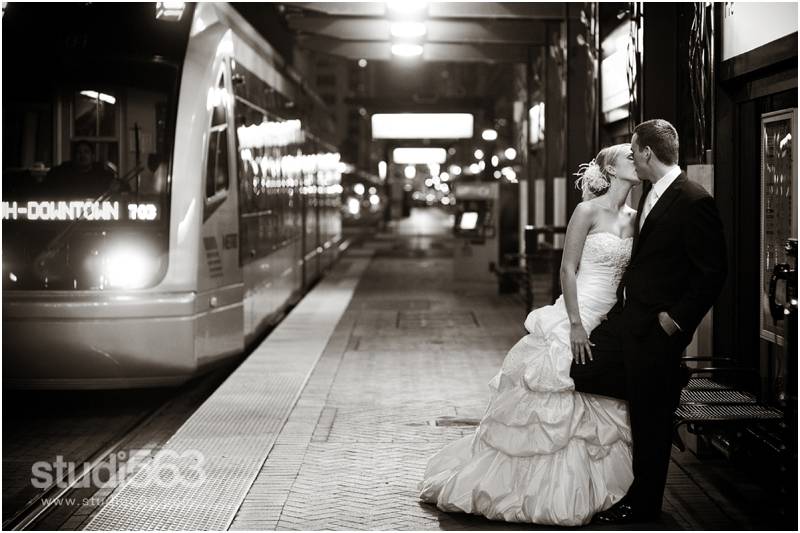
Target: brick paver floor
(405, 372)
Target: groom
(675, 274)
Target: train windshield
(86, 173)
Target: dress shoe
(622, 513)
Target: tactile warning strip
(218, 452)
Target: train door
(220, 287)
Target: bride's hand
(581, 345)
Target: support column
(582, 94)
(555, 113)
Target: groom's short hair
(661, 137)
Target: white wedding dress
(544, 453)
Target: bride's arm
(579, 225)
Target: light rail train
(169, 189)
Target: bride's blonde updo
(594, 177)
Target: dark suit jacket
(678, 263)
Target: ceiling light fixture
(408, 30)
(407, 49)
(170, 11)
(406, 8)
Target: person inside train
(83, 175)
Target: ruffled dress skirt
(542, 453)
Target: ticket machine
(476, 230)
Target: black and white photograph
(399, 266)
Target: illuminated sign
(78, 210)
(469, 220)
(142, 211)
(422, 126)
(750, 25)
(476, 191)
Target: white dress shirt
(657, 191)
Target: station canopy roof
(493, 32)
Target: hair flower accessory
(591, 179)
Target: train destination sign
(79, 210)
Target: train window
(217, 170)
(217, 159)
(269, 181)
(95, 113)
(94, 123)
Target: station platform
(329, 423)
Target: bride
(544, 453)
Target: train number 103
(142, 212)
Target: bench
(535, 274)
(707, 402)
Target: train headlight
(129, 267)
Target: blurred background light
(419, 156)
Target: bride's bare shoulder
(587, 206)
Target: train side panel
(220, 319)
(270, 213)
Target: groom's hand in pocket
(667, 324)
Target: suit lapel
(662, 206)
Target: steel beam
(444, 31)
(444, 10)
(381, 51)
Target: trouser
(645, 371)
